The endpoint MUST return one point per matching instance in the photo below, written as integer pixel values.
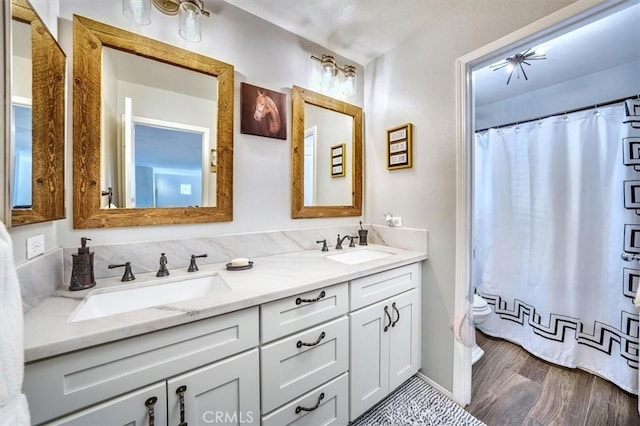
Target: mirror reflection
(21, 114)
(153, 131)
(37, 119)
(327, 166)
(159, 133)
(326, 156)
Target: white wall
(415, 82)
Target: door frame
(563, 20)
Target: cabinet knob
(320, 296)
(386, 326)
(150, 403)
(301, 343)
(393, 305)
(180, 392)
(301, 408)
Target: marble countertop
(48, 331)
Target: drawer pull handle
(386, 311)
(301, 408)
(301, 343)
(180, 392)
(393, 324)
(149, 403)
(320, 296)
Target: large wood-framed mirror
(37, 119)
(326, 156)
(133, 129)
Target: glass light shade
(327, 72)
(190, 21)
(139, 11)
(350, 79)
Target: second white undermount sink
(360, 256)
(102, 303)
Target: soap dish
(239, 268)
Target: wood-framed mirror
(326, 156)
(105, 194)
(37, 119)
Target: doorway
(568, 19)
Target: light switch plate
(35, 246)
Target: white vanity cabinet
(385, 335)
(296, 369)
(109, 383)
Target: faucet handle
(192, 266)
(352, 240)
(128, 274)
(324, 244)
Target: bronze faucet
(340, 240)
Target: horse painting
(267, 110)
(263, 112)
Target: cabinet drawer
(66, 383)
(373, 288)
(328, 405)
(294, 365)
(286, 316)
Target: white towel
(13, 404)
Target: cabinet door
(224, 393)
(129, 409)
(369, 362)
(404, 338)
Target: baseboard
(442, 390)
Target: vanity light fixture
(190, 14)
(514, 63)
(329, 73)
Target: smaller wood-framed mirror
(93, 89)
(326, 156)
(37, 119)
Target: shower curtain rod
(561, 113)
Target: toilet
(481, 312)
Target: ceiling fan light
(138, 11)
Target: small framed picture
(338, 160)
(399, 147)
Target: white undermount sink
(359, 256)
(102, 303)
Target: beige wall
(415, 82)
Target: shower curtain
(556, 203)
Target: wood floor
(512, 387)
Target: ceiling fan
(515, 63)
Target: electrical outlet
(35, 246)
(396, 221)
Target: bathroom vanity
(298, 337)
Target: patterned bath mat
(416, 403)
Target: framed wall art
(338, 153)
(399, 147)
(263, 112)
